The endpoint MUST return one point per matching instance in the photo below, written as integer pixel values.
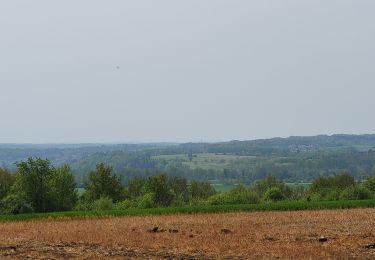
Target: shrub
(273, 194)
(298, 192)
(370, 183)
(83, 205)
(146, 201)
(178, 202)
(332, 194)
(125, 204)
(104, 203)
(339, 181)
(16, 204)
(324, 194)
(314, 196)
(355, 192)
(198, 202)
(238, 195)
(269, 182)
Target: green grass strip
(276, 206)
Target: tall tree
(42, 187)
(103, 183)
(201, 190)
(63, 188)
(6, 181)
(135, 187)
(179, 186)
(33, 181)
(158, 185)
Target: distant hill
(293, 159)
(64, 153)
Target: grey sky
(187, 70)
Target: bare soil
(299, 235)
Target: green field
(276, 206)
(206, 161)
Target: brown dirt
(299, 234)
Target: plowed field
(298, 234)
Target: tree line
(37, 186)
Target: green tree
(63, 188)
(180, 188)
(7, 180)
(201, 190)
(135, 187)
(158, 185)
(103, 183)
(33, 182)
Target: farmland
(207, 161)
(293, 234)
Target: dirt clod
(154, 230)
(322, 239)
(225, 231)
(370, 246)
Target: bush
(298, 192)
(15, 204)
(332, 194)
(269, 182)
(104, 203)
(326, 194)
(146, 201)
(125, 204)
(197, 202)
(218, 199)
(238, 195)
(314, 196)
(273, 194)
(340, 182)
(355, 192)
(83, 205)
(178, 202)
(370, 183)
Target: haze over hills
(294, 159)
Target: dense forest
(293, 159)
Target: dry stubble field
(203, 236)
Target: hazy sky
(118, 71)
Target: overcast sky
(120, 71)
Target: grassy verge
(278, 206)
